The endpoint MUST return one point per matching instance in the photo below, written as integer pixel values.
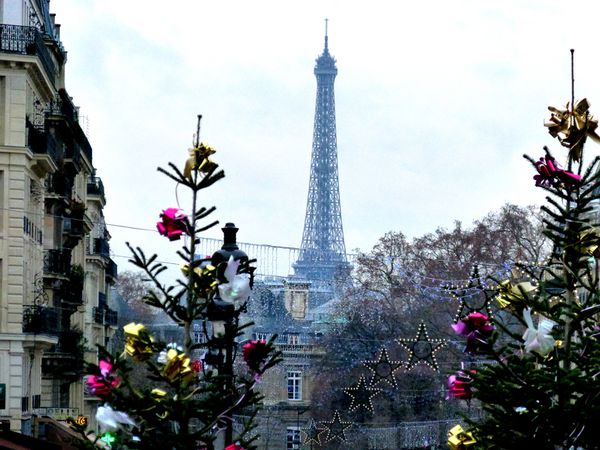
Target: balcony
(63, 109)
(22, 40)
(98, 315)
(66, 358)
(72, 159)
(69, 342)
(62, 365)
(73, 226)
(111, 272)
(111, 318)
(102, 300)
(57, 263)
(59, 185)
(42, 143)
(40, 320)
(95, 187)
(103, 315)
(100, 247)
(72, 290)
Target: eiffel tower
(323, 252)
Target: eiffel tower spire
(323, 252)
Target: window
(294, 382)
(199, 337)
(293, 438)
(293, 339)
(262, 336)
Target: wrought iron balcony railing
(95, 186)
(100, 247)
(111, 271)
(62, 365)
(57, 183)
(105, 316)
(57, 262)
(102, 300)
(72, 290)
(69, 342)
(40, 319)
(65, 360)
(111, 318)
(98, 315)
(23, 40)
(42, 143)
(73, 226)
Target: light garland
(361, 395)
(383, 369)
(336, 428)
(466, 305)
(312, 434)
(422, 349)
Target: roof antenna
(326, 38)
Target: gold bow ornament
(177, 367)
(514, 296)
(204, 278)
(572, 125)
(589, 243)
(459, 439)
(138, 342)
(198, 160)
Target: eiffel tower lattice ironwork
(323, 252)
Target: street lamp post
(224, 318)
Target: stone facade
(55, 266)
(280, 307)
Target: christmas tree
(541, 389)
(192, 390)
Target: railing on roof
(273, 261)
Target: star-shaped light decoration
(473, 297)
(383, 369)
(422, 349)
(362, 394)
(312, 434)
(336, 428)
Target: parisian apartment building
(55, 266)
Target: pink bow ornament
(173, 223)
(551, 174)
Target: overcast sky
(436, 101)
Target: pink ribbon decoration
(459, 385)
(234, 446)
(103, 384)
(551, 174)
(255, 353)
(477, 328)
(173, 224)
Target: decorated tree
(192, 389)
(541, 389)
